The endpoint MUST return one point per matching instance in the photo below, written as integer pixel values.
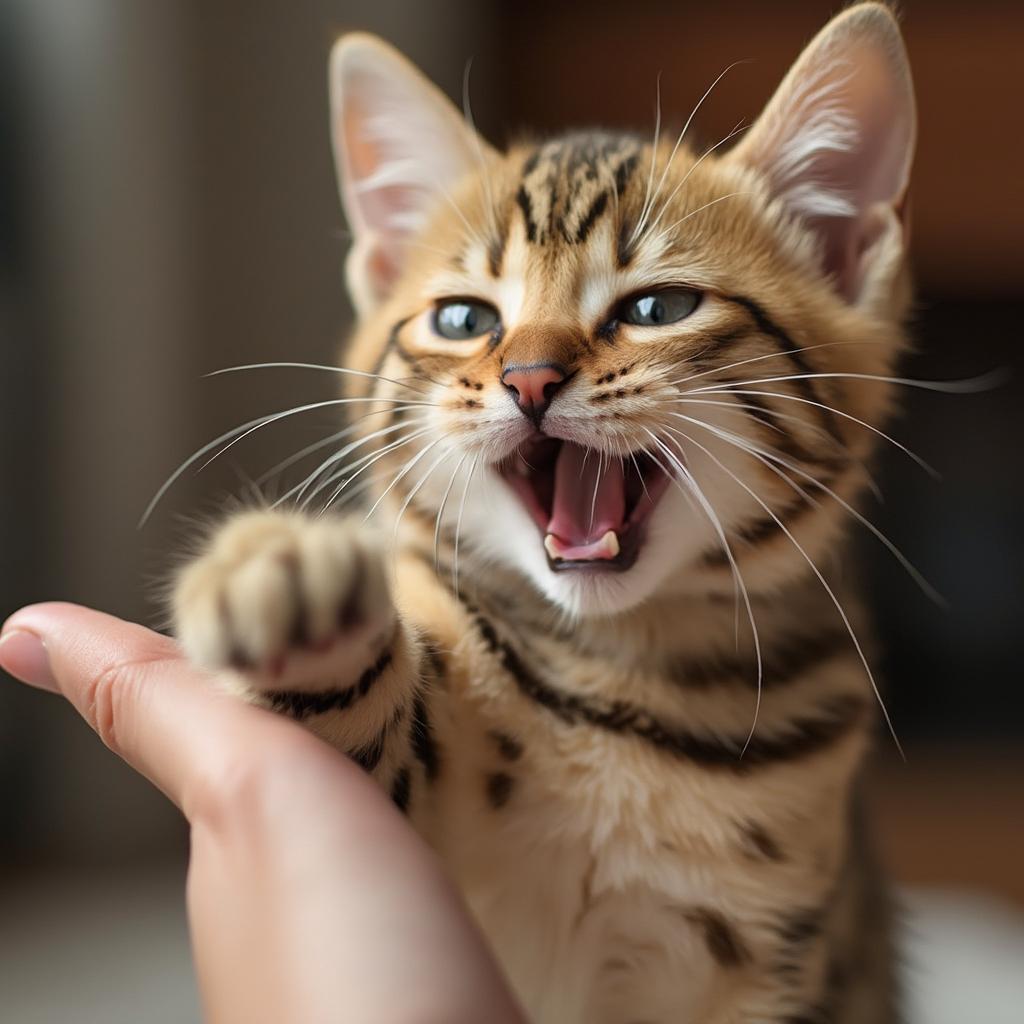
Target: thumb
(140, 696)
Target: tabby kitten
(615, 402)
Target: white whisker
(442, 506)
(310, 366)
(415, 490)
(299, 489)
(409, 466)
(737, 575)
(367, 460)
(693, 167)
(930, 470)
(763, 456)
(458, 523)
(647, 207)
(821, 579)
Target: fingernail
(23, 655)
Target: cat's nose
(533, 387)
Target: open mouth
(591, 508)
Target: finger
(143, 700)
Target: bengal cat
(614, 404)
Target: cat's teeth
(611, 542)
(606, 548)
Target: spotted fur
(651, 808)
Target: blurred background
(167, 207)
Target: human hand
(310, 899)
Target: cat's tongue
(589, 506)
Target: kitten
(615, 402)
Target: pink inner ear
(361, 153)
(873, 171)
(837, 138)
(383, 269)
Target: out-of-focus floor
(96, 949)
(106, 949)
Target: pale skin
(309, 897)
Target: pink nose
(534, 386)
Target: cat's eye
(462, 319)
(667, 306)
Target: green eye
(462, 319)
(658, 308)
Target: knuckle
(242, 793)
(111, 697)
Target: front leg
(295, 614)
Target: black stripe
(390, 344)
(782, 437)
(761, 531)
(435, 656)
(368, 756)
(499, 788)
(302, 704)
(509, 748)
(401, 789)
(800, 927)
(523, 200)
(785, 661)
(624, 172)
(421, 736)
(759, 842)
(623, 249)
(597, 207)
(768, 326)
(803, 736)
(796, 931)
(496, 253)
(724, 945)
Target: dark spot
(723, 943)
(523, 201)
(509, 748)
(368, 757)
(761, 843)
(421, 735)
(597, 207)
(802, 926)
(352, 612)
(401, 789)
(499, 789)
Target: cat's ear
(836, 143)
(399, 145)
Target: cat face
(620, 367)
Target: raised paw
(286, 600)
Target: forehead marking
(567, 184)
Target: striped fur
(652, 810)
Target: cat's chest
(590, 925)
(557, 835)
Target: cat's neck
(662, 631)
